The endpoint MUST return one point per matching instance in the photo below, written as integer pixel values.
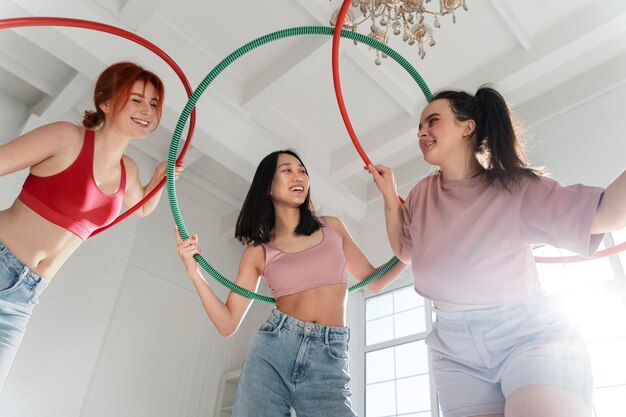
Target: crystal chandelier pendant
(405, 18)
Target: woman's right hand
(384, 180)
(187, 249)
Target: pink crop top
(71, 199)
(322, 264)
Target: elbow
(405, 255)
(227, 331)
(375, 288)
(405, 258)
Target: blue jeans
(19, 293)
(295, 364)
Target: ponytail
(93, 119)
(496, 137)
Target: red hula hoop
(355, 141)
(87, 24)
(575, 258)
(337, 84)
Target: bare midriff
(324, 305)
(42, 246)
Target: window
(397, 377)
(594, 294)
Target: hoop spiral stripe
(250, 46)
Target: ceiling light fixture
(404, 17)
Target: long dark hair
(497, 136)
(256, 220)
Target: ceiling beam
(516, 27)
(66, 96)
(290, 71)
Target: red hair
(115, 84)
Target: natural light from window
(593, 293)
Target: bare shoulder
(62, 133)
(337, 224)
(254, 257)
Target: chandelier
(404, 17)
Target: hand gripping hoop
(297, 31)
(346, 119)
(86, 24)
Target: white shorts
(479, 357)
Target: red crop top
(322, 264)
(71, 199)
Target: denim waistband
(18, 268)
(314, 330)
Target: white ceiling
(281, 95)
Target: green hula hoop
(191, 103)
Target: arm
(135, 191)
(36, 146)
(225, 316)
(394, 217)
(358, 264)
(611, 212)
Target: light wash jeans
(19, 293)
(295, 364)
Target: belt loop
(327, 335)
(283, 317)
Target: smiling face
(290, 184)
(138, 116)
(444, 140)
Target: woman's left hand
(161, 170)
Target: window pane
(557, 278)
(598, 315)
(379, 306)
(411, 359)
(609, 366)
(609, 402)
(406, 298)
(379, 365)
(380, 399)
(413, 394)
(409, 322)
(380, 330)
(396, 376)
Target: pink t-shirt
(472, 242)
(323, 264)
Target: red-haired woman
(79, 178)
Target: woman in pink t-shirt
(299, 357)
(498, 345)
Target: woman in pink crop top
(498, 346)
(79, 179)
(299, 357)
